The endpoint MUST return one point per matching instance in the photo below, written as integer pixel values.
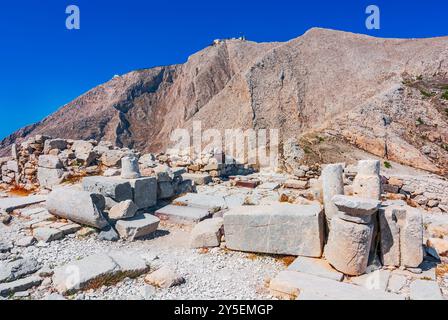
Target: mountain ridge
(365, 91)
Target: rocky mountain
(325, 88)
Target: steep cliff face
(385, 96)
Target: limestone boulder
(137, 226)
(123, 210)
(50, 162)
(48, 178)
(207, 233)
(84, 152)
(112, 158)
(164, 277)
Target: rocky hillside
(386, 96)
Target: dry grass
(74, 179)
(17, 191)
(441, 270)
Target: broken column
(367, 183)
(79, 206)
(332, 184)
(129, 168)
(350, 237)
(401, 229)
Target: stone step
(317, 267)
(297, 285)
(182, 214)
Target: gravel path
(209, 274)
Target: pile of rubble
(213, 163)
(425, 192)
(44, 162)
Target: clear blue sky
(43, 65)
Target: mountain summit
(388, 97)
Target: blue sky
(43, 65)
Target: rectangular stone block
(113, 187)
(144, 192)
(401, 229)
(48, 178)
(390, 235)
(276, 229)
(198, 178)
(165, 190)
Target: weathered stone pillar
(401, 236)
(129, 168)
(367, 183)
(350, 236)
(332, 184)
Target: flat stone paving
(10, 204)
(182, 214)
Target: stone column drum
(367, 183)
(332, 184)
(129, 168)
(350, 237)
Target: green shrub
(426, 93)
(445, 96)
(387, 164)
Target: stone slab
(425, 290)
(90, 272)
(210, 202)
(277, 229)
(317, 267)
(10, 204)
(376, 280)
(296, 284)
(182, 214)
(6, 289)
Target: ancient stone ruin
(354, 234)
